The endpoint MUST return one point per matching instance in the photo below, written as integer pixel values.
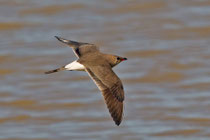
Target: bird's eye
(118, 58)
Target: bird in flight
(99, 67)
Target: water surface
(166, 77)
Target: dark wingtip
(118, 123)
(65, 41)
(58, 38)
(70, 42)
(117, 120)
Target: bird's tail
(55, 70)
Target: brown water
(166, 77)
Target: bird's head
(114, 59)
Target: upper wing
(113, 104)
(79, 48)
(106, 75)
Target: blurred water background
(166, 77)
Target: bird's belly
(75, 66)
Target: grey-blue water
(166, 77)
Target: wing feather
(113, 104)
(79, 48)
(106, 75)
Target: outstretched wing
(106, 75)
(79, 48)
(113, 97)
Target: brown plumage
(114, 101)
(99, 67)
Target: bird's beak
(123, 59)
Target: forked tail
(55, 70)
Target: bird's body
(99, 67)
